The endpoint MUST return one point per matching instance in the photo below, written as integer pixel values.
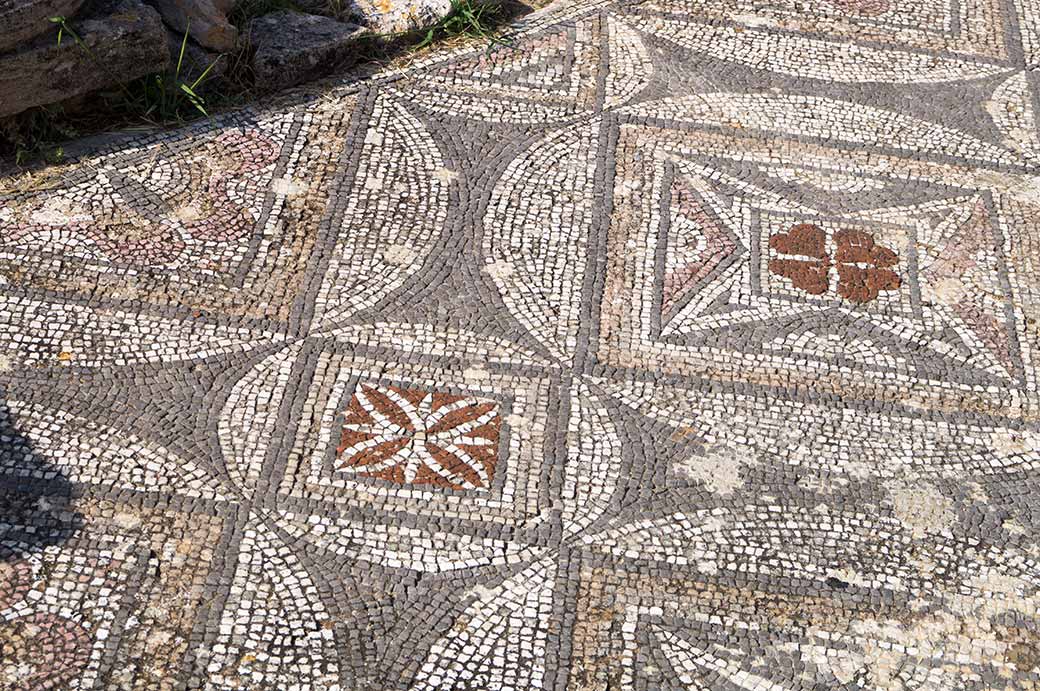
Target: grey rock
(204, 20)
(290, 47)
(397, 16)
(121, 40)
(23, 20)
(196, 60)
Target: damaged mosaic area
(681, 344)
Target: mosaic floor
(680, 344)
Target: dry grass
(36, 137)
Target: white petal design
(437, 342)
(464, 428)
(394, 180)
(1011, 108)
(84, 451)
(275, 631)
(813, 58)
(503, 642)
(420, 457)
(34, 332)
(415, 418)
(630, 64)
(537, 259)
(824, 118)
(677, 538)
(401, 457)
(475, 441)
(885, 549)
(249, 417)
(462, 455)
(381, 423)
(365, 445)
(828, 179)
(479, 106)
(396, 546)
(691, 663)
(593, 460)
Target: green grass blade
(184, 45)
(194, 99)
(195, 84)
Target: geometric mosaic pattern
(681, 344)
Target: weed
(161, 101)
(63, 26)
(339, 9)
(157, 99)
(467, 19)
(153, 98)
(170, 99)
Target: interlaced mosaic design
(679, 344)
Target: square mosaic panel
(723, 248)
(204, 222)
(426, 440)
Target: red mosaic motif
(224, 218)
(217, 183)
(803, 240)
(15, 580)
(39, 650)
(717, 247)
(863, 266)
(414, 437)
(958, 261)
(55, 649)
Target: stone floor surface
(675, 344)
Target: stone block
(291, 47)
(204, 20)
(120, 40)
